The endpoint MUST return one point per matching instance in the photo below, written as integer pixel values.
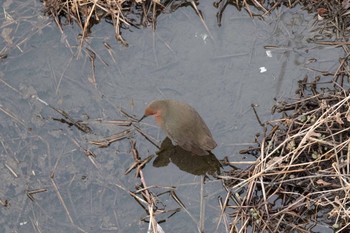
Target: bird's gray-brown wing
(186, 143)
(188, 130)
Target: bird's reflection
(186, 161)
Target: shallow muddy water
(220, 76)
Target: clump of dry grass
(264, 7)
(122, 14)
(332, 17)
(302, 174)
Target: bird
(182, 124)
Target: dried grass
(302, 174)
(122, 14)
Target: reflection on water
(185, 160)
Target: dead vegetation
(332, 16)
(122, 14)
(302, 173)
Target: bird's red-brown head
(156, 109)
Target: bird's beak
(144, 116)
